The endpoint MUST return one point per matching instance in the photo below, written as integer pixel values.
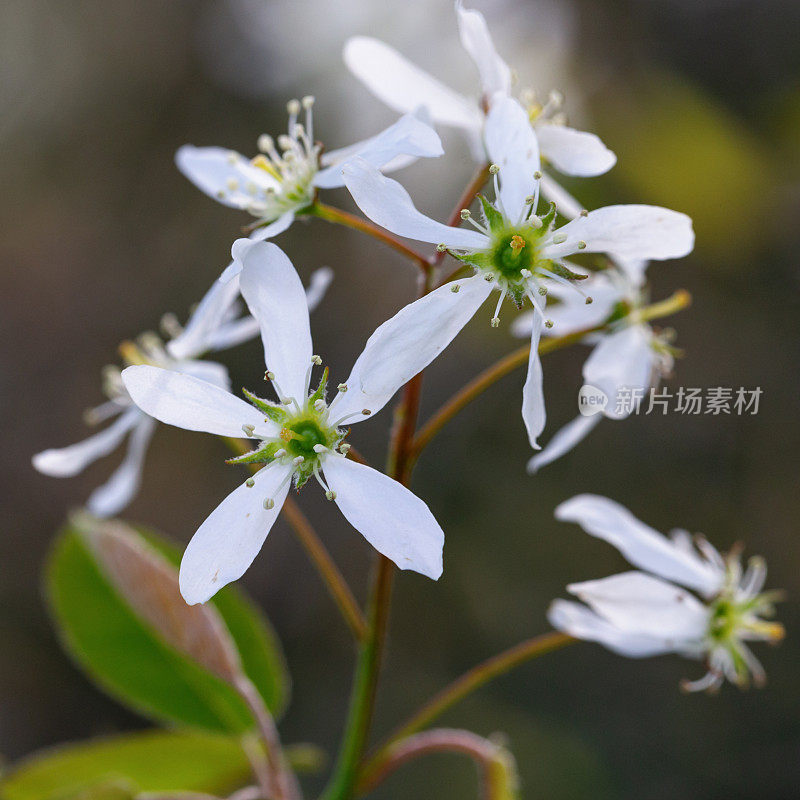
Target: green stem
(340, 217)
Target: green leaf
(157, 669)
(154, 761)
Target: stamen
(711, 680)
(249, 430)
(350, 416)
(280, 453)
(455, 288)
(344, 448)
(342, 387)
(319, 448)
(250, 483)
(496, 318)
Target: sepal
(270, 410)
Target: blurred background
(102, 235)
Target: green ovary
(513, 251)
(305, 434)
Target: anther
(319, 448)
(366, 412)
(316, 360)
(488, 278)
(555, 97)
(269, 503)
(529, 200)
(319, 405)
(517, 243)
(330, 495)
(495, 322)
(537, 175)
(560, 238)
(249, 430)
(535, 221)
(232, 184)
(493, 169)
(584, 213)
(170, 325)
(293, 107)
(250, 483)
(581, 245)
(344, 449)
(465, 213)
(308, 101)
(454, 289)
(543, 291)
(526, 273)
(298, 461)
(280, 453)
(342, 387)
(589, 300)
(269, 375)
(548, 323)
(441, 248)
(265, 143)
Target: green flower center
(513, 251)
(302, 434)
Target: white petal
(640, 544)
(389, 205)
(64, 462)
(572, 434)
(533, 413)
(639, 603)
(274, 228)
(633, 269)
(406, 344)
(632, 231)
(275, 296)
(582, 623)
(193, 341)
(574, 152)
(214, 170)
(190, 403)
(231, 537)
(476, 40)
(404, 86)
(390, 517)
(409, 136)
(554, 192)
(621, 360)
(511, 145)
(208, 371)
(318, 286)
(110, 498)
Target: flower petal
(275, 296)
(563, 441)
(215, 170)
(209, 371)
(64, 462)
(406, 344)
(409, 136)
(389, 205)
(270, 231)
(389, 516)
(231, 537)
(574, 152)
(476, 40)
(639, 603)
(212, 310)
(110, 498)
(582, 623)
(554, 192)
(640, 544)
(403, 86)
(621, 360)
(511, 145)
(629, 232)
(192, 404)
(533, 413)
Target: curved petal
(389, 205)
(193, 341)
(221, 174)
(629, 232)
(574, 152)
(476, 40)
(533, 413)
(110, 498)
(275, 296)
(208, 371)
(639, 603)
(572, 434)
(317, 287)
(554, 192)
(621, 360)
(403, 86)
(640, 544)
(409, 136)
(192, 404)
(582, 623)
(64, 462)
(226, 544)
(270, 231)
(406, 344)
(389, 516)
(511, 145)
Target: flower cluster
(581, 273)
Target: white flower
(282, 180)
(298, 438)
(638, 614)
(214, 325)
(514, 250)
(404, 86)
(625, 362)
